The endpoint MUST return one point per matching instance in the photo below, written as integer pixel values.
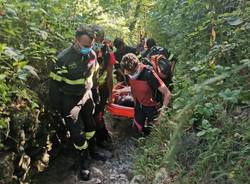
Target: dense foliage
(32, 33)
(203, 138)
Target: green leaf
(190, 2)
(34, 105)
(42, 10)
(234, 21)
(2, 47)
(44, 35)
(207, 6)
(13, 53)
(201, 133)
(205, 124)
(246, 62)
(20, 64)
(195, 69)
(4, 123)
(2, 77)
(32, 70)
(11, 12)
(230, 95)
(24, 72)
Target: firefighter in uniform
(106, 60)
(144, 83)
(70, 92)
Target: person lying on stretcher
(144, 83)
(122, 95)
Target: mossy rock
(6, 167)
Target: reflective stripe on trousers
(89, 135)
(82, 147)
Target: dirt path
(116, 170)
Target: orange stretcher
(119, 110)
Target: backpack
(158, 59)
(155, 50)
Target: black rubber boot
(103, 139)
(93, 151)
(84, 172)
(147, 129)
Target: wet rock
(112, 177)
(92, 181)
(107, 154)
(119, 178)
(97, 171)
(138, 179)
(98, 181)
(122, 179)
(161, 176)
(6, 167)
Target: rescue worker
(156, 50)
(106, 60)
(161, 65)
(70, 94)
(150, 42)
(144, 83)
(153, 49)
(121, 50)
(163, 62)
